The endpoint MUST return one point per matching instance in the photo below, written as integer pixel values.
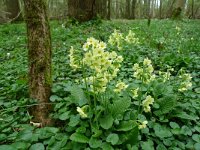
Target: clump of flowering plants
(104, 111)
(101, 105)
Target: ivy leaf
(112, 138)
(80, 138)
(106, 122)
(37, 146)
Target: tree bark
(82, 10)
(160, 10)
(127, 9)
(13, 9)
(133, 7)
(39, 57)
(109, 7)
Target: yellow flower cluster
(105, 65)
(120, 86)
(72, 59)
(134, 92)
(145, 72)
(186, 82)
(143, 125)
(148, 101)
(130, 38)
(117, 39)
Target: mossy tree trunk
(39, 56)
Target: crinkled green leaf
(80, 138)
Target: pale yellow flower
(81, 112)
(148, 101)
(143, 125)
(135, 92)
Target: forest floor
(172, 46)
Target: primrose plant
(106, 118)
(105, 112)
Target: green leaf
(112, 138)
(80, 138)
(119, 106)
(161, 131)
(166, 104)
(196, 137)
(197, 146)
(7, 147)
(186, 130)
(74, 120)
(21, 145)
(54, 98)
(106, 146)
(95, 143)
(184, 115)
(161, 147)
(78, 95)
(64, 116)
(37, 146)
(106, 122)
(132, 136)
(126, 125)
(148, 145)
(51, 129)
(174, 125)
(25, 135)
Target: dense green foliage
(173, 122)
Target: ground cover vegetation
(116, 85)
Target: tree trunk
(193, 9)
(82, 10)
(133, 7)
(160, 10)
(39, 56)
(109, 7)
(127, 9)
(13, 9)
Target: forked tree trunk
(81, 10)
(39, 56)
